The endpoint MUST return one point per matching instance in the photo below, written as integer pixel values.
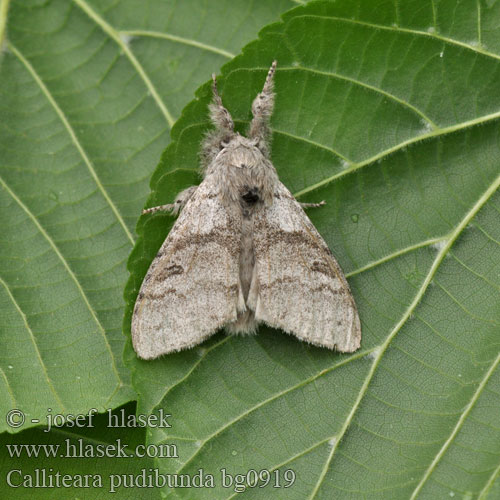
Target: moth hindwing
(242, 252)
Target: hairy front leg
(179, 203)
(312, 205)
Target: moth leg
(262, 109)
(313, 205)
(179, 203)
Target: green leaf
(88, 91)
(390, 113)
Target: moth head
(241, 152)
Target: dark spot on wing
(174, 269)
(322, 267)
(166, 272)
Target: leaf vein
(399, 29)
(461, 306)
(9, 388)
(475, 273)
(35, 345)
(74, 139)
(359, 83)
(179, 39)
(397, 253)
(112, 33)
(68, 269)
(483, 495)
(457, 427)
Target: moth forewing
(190, 290)
(302, 289)
(243, 251)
